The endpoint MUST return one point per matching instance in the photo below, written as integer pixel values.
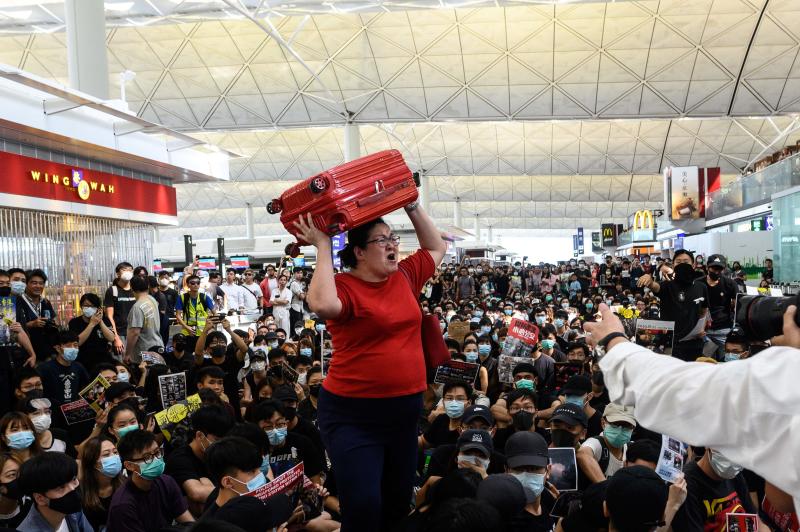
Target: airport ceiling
(534, 114)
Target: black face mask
(68, 504)
(11, 490)
(684, 273)
(714, 276)
(314, 390)
(562, 438)
(290, 412)
(5, 291)
(218, 351)
(523, 420)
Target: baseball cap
(476, 439)
(716, 260)
(477, 412)
(284, 393)
(617, 413)
(570, 414)
(526, 449)
(577, 385)
(523, 367)
(504, 492)
(271, 336)
(636, 497)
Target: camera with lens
(761, 317)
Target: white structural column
(352, 142)
(477, 228)
(489, 234)
(248, 220)
(86, 46)
(457, 214)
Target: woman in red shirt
(371, 399)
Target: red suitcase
(348, 195)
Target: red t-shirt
(377, 342)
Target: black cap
(504, 492)
(523, 367)
(477, 412)
(570, 414)
(476, 439)
(526, 449)
(117, 390)
(271, 336)
(716, 260)
(577, 385)
(636, 498)
(258, 353)
(284, 394)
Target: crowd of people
(322, 378)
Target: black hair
(66, 336)
(138, 270)
(105, 366)
(45, 472)
(116, 409)
(134, 441)
(12, 271)
(456, 483)
(452, 344)
(253, 434)
(215, 335)
(215, 372)
(546, 329)
(138, 284)
(313, 370)
(456, 383)
(259, 338)
(683, 252)
(516, 393)
(276, 353)
(646, 450)
(212, 419)
(4, 273)
(25, 373)
(192, 278)
(122, 265)
(164, 273)
(36, 272)
(152, 282)
(266, 409)
(464, 515)
(92, 299)
(231, 454)
(357, 238)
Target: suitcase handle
(380, 193)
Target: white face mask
(164, 282)
(123, 376)
(302, 378)
(475, 460)
(41, 422)
(258, 366)
(126, 276)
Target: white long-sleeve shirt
(749, 409)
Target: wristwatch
(411, 206)
(607, 338)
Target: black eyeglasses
(384, 241)
(193, 283)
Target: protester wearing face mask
(296, 424)
(737, 347)
(149, 500)
(122, 419)
(472, 355)
(567, 426)
(50, 479)
(13, 340)
(94, 332)
(118, 301)
(528, 460)
(18, 436)
(214, 343)
(49, 438)
(601, 456)
(683, 301)
(722, 292)
(525, 377)
(307, 408)
(13, 508)
(456, 397)
(186, 464)
(62, 376)
(715, 487)
(100, 475)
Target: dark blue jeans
(372, 444)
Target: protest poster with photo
(656, 335)
(78, 411)
(288, 483)
(742, 522)
(172, 388)
(8, 315)
(670, 460)
(289, 373)
(176, 418)
(521, 340)
(151, 358)
(506, 365)
(456, 369)
(563, 468)
(94, 393)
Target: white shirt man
(251, 286)
(238, 297)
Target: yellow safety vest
(196, 314)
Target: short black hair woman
(371, 399)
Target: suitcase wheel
(318, 184)
(274, 207)
(415, 176)
(292, 250)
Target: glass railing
(754, 189)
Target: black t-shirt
(184, 363)
(439, 432)
(43, 339)
(720, 299)
(183, 465)
(122, 303)
(231, 367)
(98, 517)
(96, 348)
(171, 296)
(708, 501)
(527, 522)
(595, 424)
(161, 300)
(584, 278)
(306, 410)
(444, 457)
(62, 383)
(307, 429)
(501, 285)
(683, 304)
(296, 449)
(13, 521)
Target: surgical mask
(20, 440)
(494, 337)
(589, 306)
(123, 376)
(122, 431)
(486, 329)
(558, 322)
(548, 344)
(454, 409)
(89, 311)
(477, 313)
(730, 357)
(508, 312)
(253, 484)
(548, 299)
(264, 464)
(298, 330)
(562, 438)
(110, 466)
(67, 504)
(471, 357)
(483, 463)
(617, 436)
(576, 400)
(277, 436)
(126, 276)
(41, 422)
(17, 288)
(523, 420)
(484, 350)
(565, 306)
(258, 366)
(70, 354)
(525, 384)
(153, 470)
(442, 326)
(273, 344)
(532, 481)
(540, 320)
(305, 351)
(723, 467)
(319, 327)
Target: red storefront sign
(27, 176)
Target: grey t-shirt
(144, 315)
